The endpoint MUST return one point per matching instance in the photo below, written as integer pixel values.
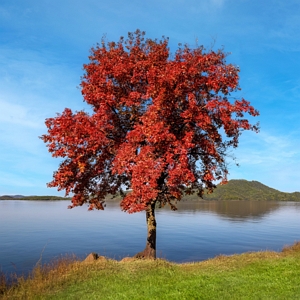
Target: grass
(257, 275)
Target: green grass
(260, 275)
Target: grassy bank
(260, 275)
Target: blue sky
(44, 44)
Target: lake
(42, 230)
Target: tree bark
(150, 249)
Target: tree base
(147, 253)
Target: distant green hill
(249, 190)
(240, 189)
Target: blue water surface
(39, 231)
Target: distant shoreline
(184, 199)
(32, 198)
(235, 189)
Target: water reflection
(197, 230)
(231, 210)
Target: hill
(249, 190)
(239, 189)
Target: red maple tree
(160, 127)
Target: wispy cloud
(217, 3)
(274, 160)
(11, 113)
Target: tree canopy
(160, 126)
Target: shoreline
(250, 275)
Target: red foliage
(161, 124)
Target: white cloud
(273, 160)
(11, 179)
(217, 3)
(11, 113)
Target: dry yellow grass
(69, 275)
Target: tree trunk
(150, 249)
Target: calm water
(34, 230)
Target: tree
(160, 127)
